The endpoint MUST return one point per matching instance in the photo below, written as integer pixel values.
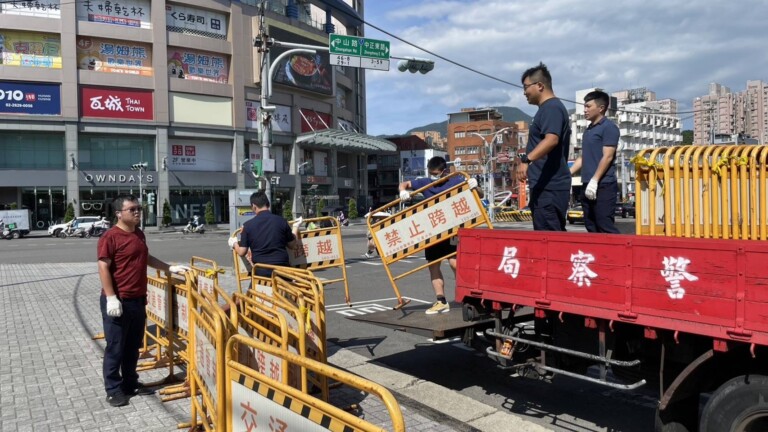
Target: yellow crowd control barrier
(257, 402)
(703, 191)
(424, 224)
(320, 249)
(514, 216)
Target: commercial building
(722, 112)
(469, 132)
(93, 87)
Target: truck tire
(739, 405)
(16, 235)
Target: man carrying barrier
(452, 202)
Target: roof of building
(350, 141)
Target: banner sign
(187, 20)
(281, 118)
(198, 65)
(43, 9)
(28, 49)
(200, 156)
(113, 103)
(105, 55)
(130, 13)
(30, 98)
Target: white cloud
(673, 47)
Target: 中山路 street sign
(355, 51)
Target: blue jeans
(548, 209)
(124, 336)
(599, 216)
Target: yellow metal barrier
(321, 248)
(423, 224)
(702, 191)
(255, 401)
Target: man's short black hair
(259, 199)
(436, 163)
(119, 201)
(600, 97)
(539, 74)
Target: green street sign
(358, 52)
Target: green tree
(687, 136)
(352, 206)
(209, 217)
(167, 213)
(287, 212)
(70, 213)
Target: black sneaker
(117, 400)
(141, 390)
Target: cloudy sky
(675, 48)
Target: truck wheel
(16, 235)
(739, 405)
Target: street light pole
(140, 167)
(490, 157)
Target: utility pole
(140, 167)
(263, 43)
(487, 164)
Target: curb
(467, 414)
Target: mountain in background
(509, 114)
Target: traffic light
(151, 198)
(414, 64)
(139, 166)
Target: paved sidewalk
(50, 369)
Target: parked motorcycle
(6, 231)
(194, 226)
(97, 228)
(343, 220)
(72, 231)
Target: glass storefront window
(23, 150)
(187, 202)
(47, 205)
(115, 152)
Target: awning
(343, 140)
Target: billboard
(199, 22)
(196, 155)
(18, 48)
(113, 56)
(46, 9)
(114, 103)
(30, 98)
(198, 65)
(130, 13)
(312, 121)
(311, 72)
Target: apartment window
(459, 134)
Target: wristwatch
(523, 158)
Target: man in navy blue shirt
(437, 168)
(266, 235)
(598, 170)
(545, 161)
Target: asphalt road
(563, 405)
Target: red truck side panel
(709, 287)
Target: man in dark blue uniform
(266, 235)
(545, 161)
(598, 170)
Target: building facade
(99, 87)
(473, 137)
(722, 112)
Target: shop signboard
(130, 13)
(30, 98)
(42, 9)
(19, 48)
(281, 117)
(114, 103)
(199, 22)
(198, 65)
(199, 155)
(312, 120)
(107, 55)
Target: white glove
(232, 242)
(405, 195)
(179, 269)
(591, 191)
(472, 183)
(298, 223)
(114, 308)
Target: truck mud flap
(412, 319)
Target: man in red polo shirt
(123, 258)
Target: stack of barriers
(703, 191)
(259, 351)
